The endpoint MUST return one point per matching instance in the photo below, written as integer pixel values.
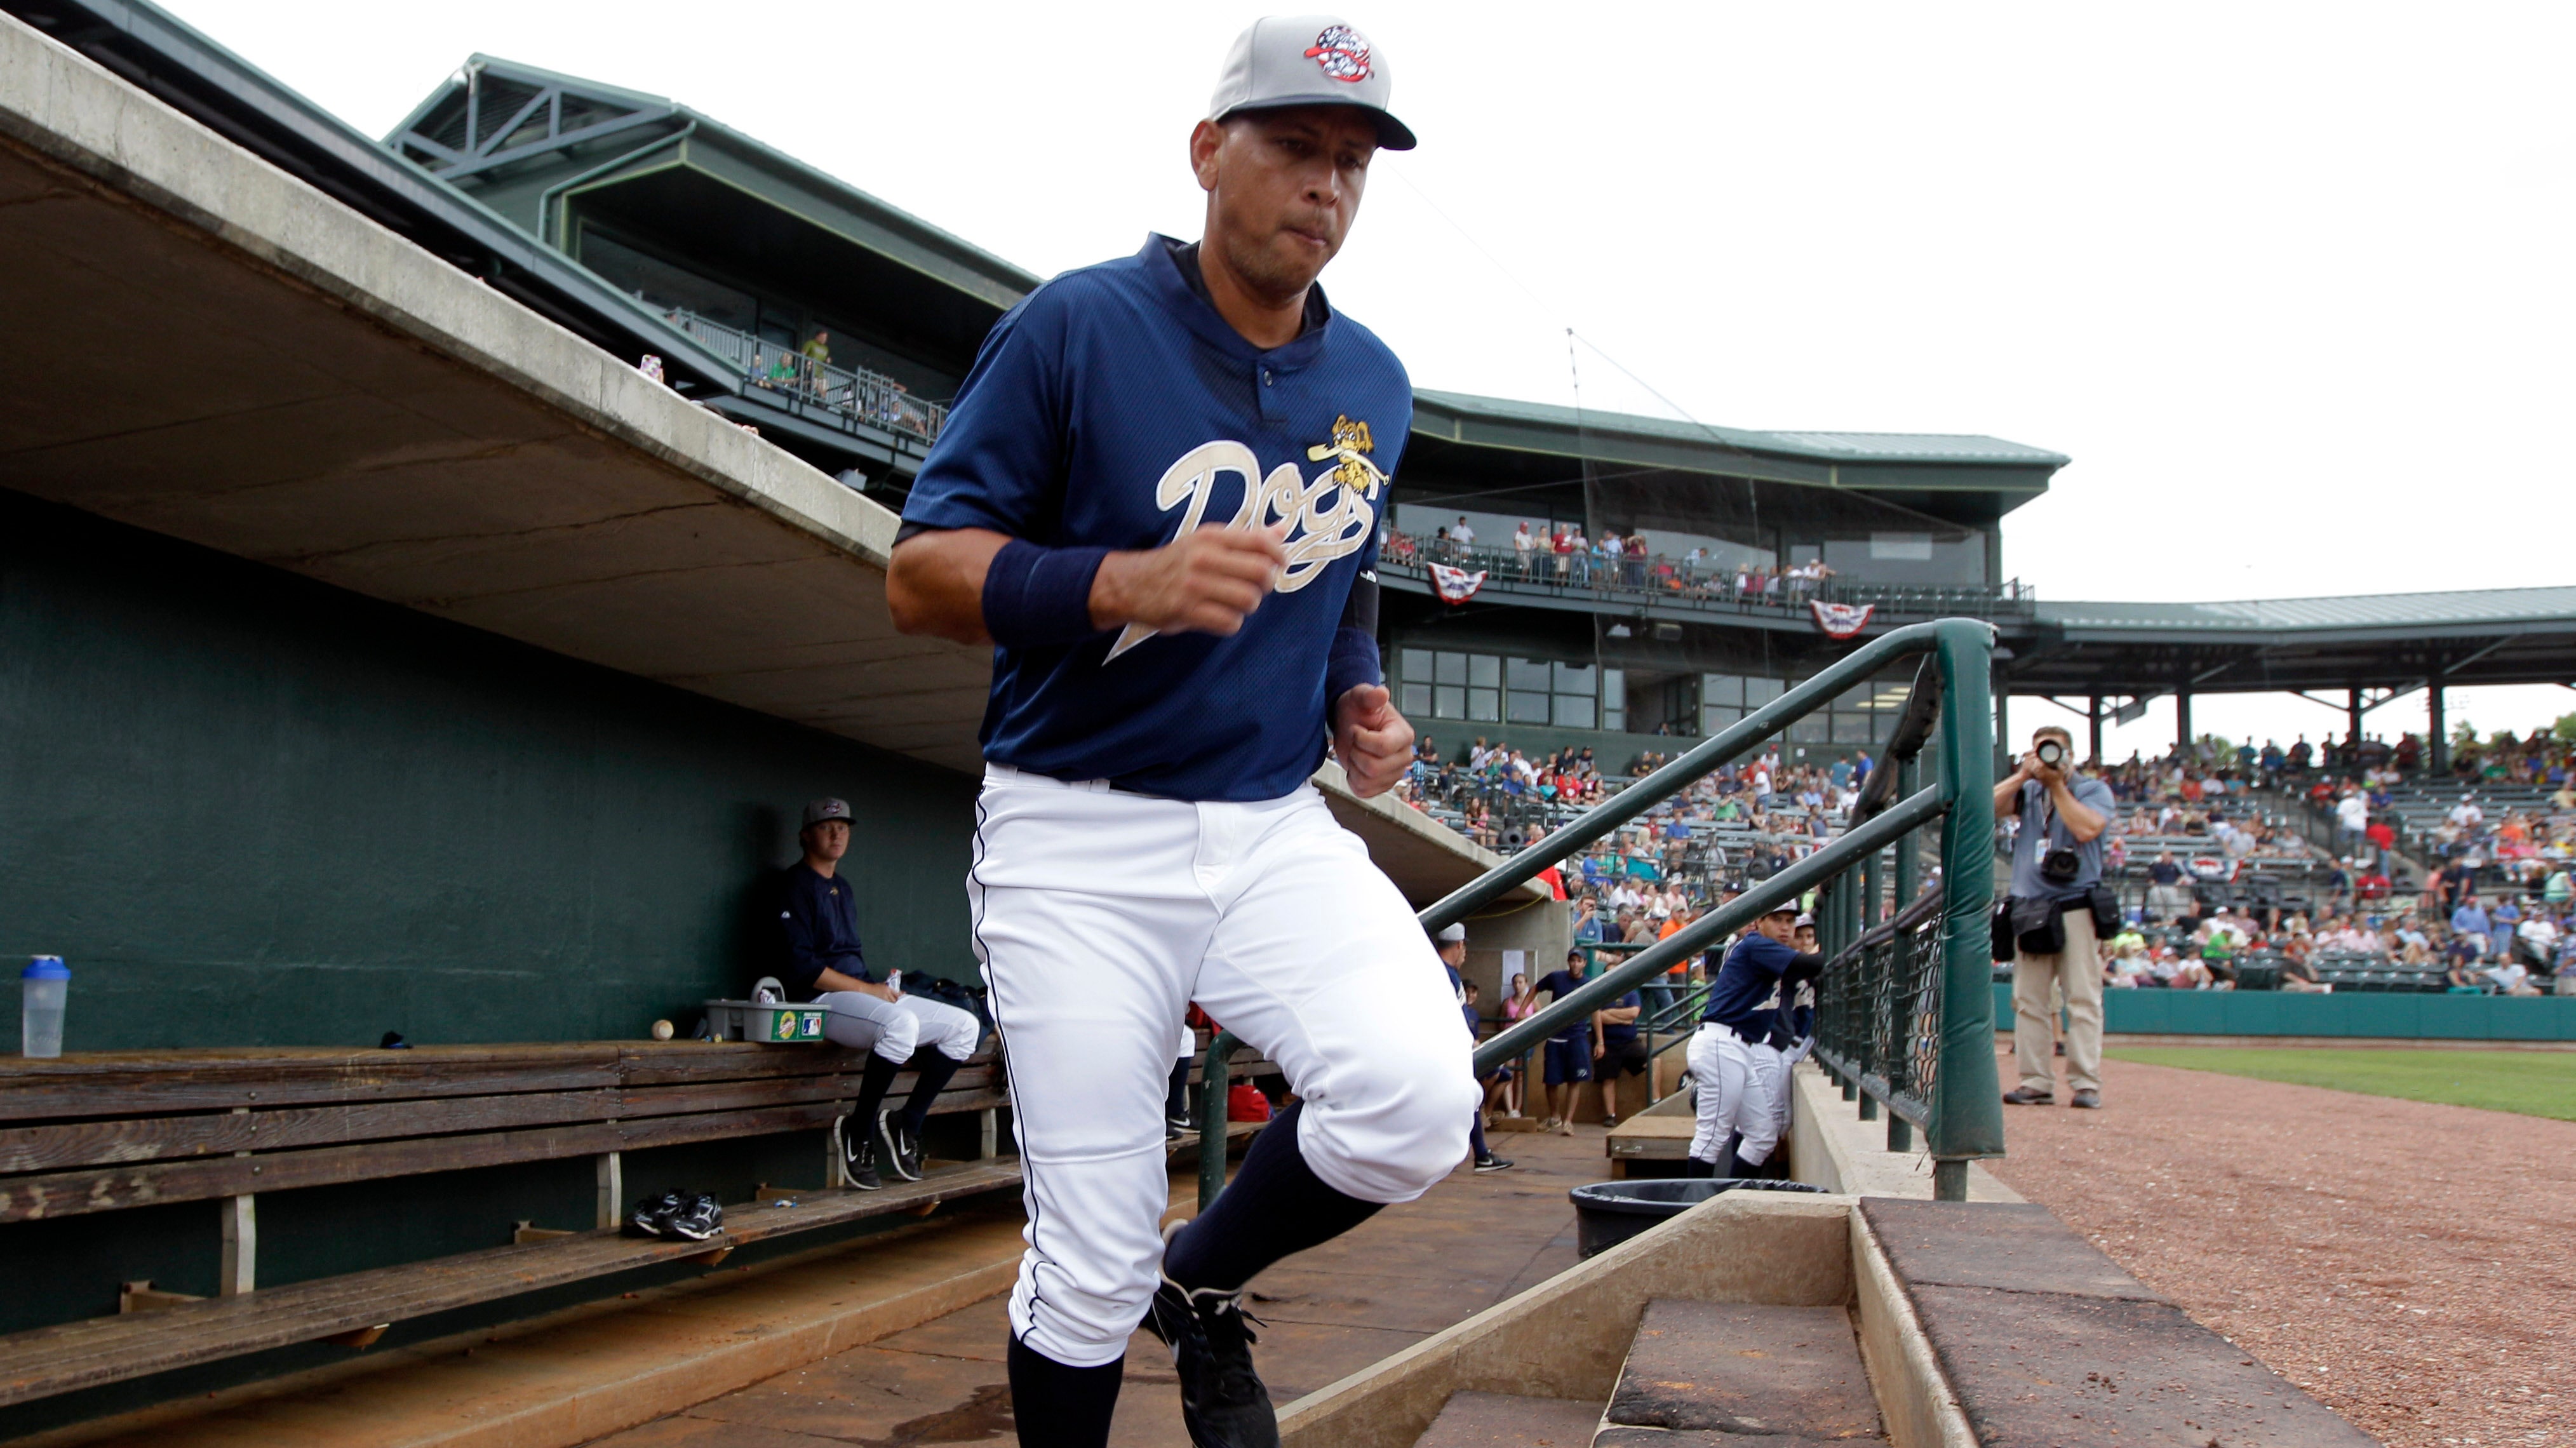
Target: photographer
(2059, 912)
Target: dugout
(386, 653)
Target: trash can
(1609, 1213)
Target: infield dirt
(2412, 1265)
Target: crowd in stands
(1564, 556)
(2233, 881)
(2225, 888)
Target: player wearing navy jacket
(1158, 496)
(1735, 1067)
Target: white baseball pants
(1099, 916)
(895, 1029)
(1735, 1086)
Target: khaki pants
(2077, 972)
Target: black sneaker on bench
(649, 1214)
(859, 1155)
(898, 1147)
(699, 1218)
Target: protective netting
(1878, 1011)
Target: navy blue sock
(1476, 1136)
(1275, 1206)
(874, 1078)
(931, 1071)
(1055, 1406)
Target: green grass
(2532, 1083)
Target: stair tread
(1504, 1420)
(1714, 1438)
(1741, 1368)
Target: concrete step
(1736, 1368)
(1501, 1420)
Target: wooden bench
(102, 1132)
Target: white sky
(2288, 282)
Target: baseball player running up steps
(1737, 1066)
(1158, 495)
(818, 926)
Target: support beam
(2093, 717)
(239, 1274)
(2437, 748)
(2003, 732)
(611, 1204)
(2182, 719)
(2352, 712)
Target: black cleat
(1175, 1126)
(649, 1214)
(699, 1218)
(1491, 1162)
(899, 1148)
(1223, 1403)
(859, 1156)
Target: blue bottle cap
(46, 967)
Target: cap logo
(1342, 52)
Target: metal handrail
(1701, 934)
(1963, 1120)
(1678, 774)
(854, 392)
(1699, 586)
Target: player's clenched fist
(1206, 581)
(1372, 740)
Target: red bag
(1244, 1102)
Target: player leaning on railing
(1739, 1060)
(1162, 689)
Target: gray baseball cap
(1308, 60)
(819, 810)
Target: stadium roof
(1827, 447)
(2412, 615)
(523, 112)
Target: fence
(850, 392)
(1697, 585)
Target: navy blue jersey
(1747, 994)
(1797, 1016)
(1613, 1033)
(818, 929)
(1115, 408)
(1560, 984)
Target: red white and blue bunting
(1841, 620)
(1455, 585)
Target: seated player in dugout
(818, 958)
(1158, 496)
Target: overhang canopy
(296, 385)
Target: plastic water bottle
(44, 985)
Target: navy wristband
(1040, 597)
(1353, 662)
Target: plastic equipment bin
(1609, 1213)
(771, 1021)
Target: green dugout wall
(253, 810)
(2362, 1015)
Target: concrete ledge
(1914, 1398)
(1831, 1147)
(1566, 1337)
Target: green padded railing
(1957, 1106)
